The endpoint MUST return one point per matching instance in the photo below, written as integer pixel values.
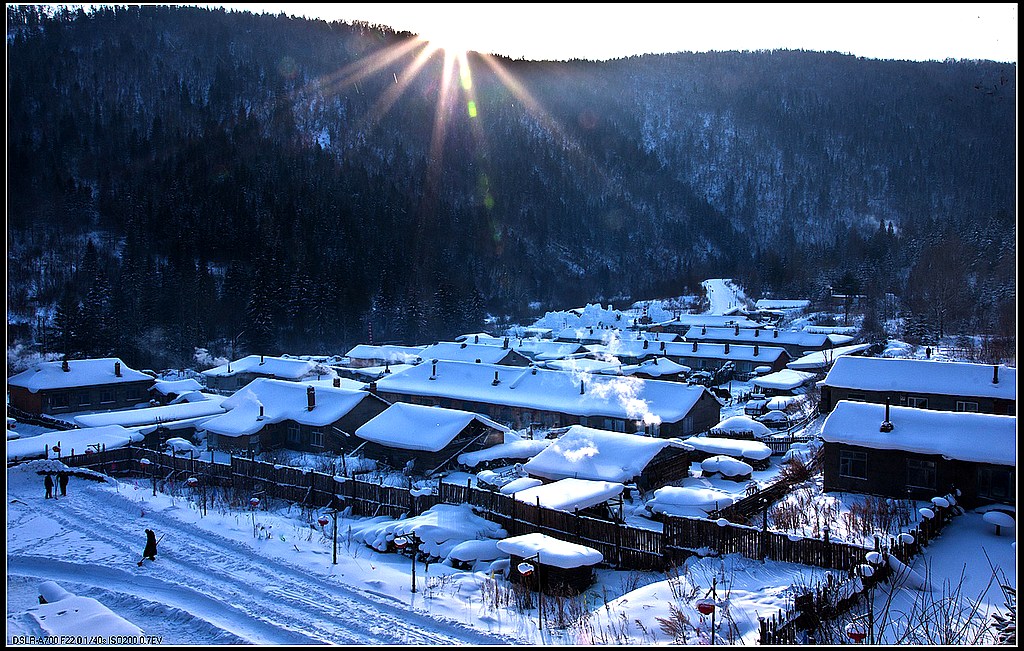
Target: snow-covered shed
(165, 391)
(550, 565)
(784, 382)
(232, 376)
(519, 397)
(588, 453)
(755, 453)
(925, 384)
(919, 453)
(740, 427)
(822, 360)
(572, 495)
(429, 438)
(270, 413)
(77, 385)
(746, 360)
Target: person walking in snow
(48, 482)
(150, 551)
(62, 479)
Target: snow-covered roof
(167, 387)
(585, 365)
(79, 440)
(47, 376)
(282, 400)
(768, 354)
(466, 352)
(476, 338)
(754, 450)
(417, 427)
(693, 501)
(392, 354)
(784, 380)
(631, 348)
(726, 465)
(965, 436)
(150, 415)
(781, 304)
(772, 337)
(570, 494)
(822, 359)
(587, 453)
(922, 376)
(558, 391)
(591, 334)
(510, 449)
(656, 367)
(708, 320)
(741, 424)
(278, 367)
(550, 551)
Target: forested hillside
(183, 177)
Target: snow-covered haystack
(441, 529)
(727, 467)
(178, 445)
(689, 501)
(471, 552)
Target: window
(917, 401)
(855, 397)
(966, 405)
(316, 438)
(294, 435)
(106, 395)
(59, 400)
(920, 474)
(133, 393)
(853, 464)
(995, 484)
(652, 429)
(84, 399)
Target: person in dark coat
(150, 551)
(62, 479)
(48, 482)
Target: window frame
(849, 459)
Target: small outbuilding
(550, 565)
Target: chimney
(117, 369)
(261, 360)
(757, 332)
(775, 333)
(433, 369)
(462, 345)
(337, 382)
(64, 366)
(495, 382)
(310, 398)
(995, 375)
(645, 344)
(703, 330)
(505, 343)
(737, 333)
(695, 346)
(655, 361)
(663, 345)
(755, 348)
(260, 417)
(727, 348)
(476, 339)
(886, 424)
(387, 367)
(372, 386)
(581, 387)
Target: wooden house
(167, 391)
(365, 355)
(78, 385)
(747, 361)
(477, 353)
(588, 453)
(909, 453)
(796, 343)
(430, 438)
(925, 384)
(268, 414)
(525, 397)
(232, 376)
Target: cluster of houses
(896, 427)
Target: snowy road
(203, 588)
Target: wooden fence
(623, 547)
